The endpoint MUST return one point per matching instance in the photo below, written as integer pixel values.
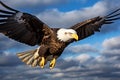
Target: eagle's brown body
(50, 45)
(28, 29)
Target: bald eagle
(28, 29)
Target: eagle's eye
(69, 33)
(66, 33)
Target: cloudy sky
(94, 58)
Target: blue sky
(89, 59)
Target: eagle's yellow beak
(75, 36)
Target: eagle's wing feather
(88, 27)
(22, 27)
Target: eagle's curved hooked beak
(75, 36)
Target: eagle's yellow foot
(42, 62)
(52, 63)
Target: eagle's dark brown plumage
(28, 29)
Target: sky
(94, 58)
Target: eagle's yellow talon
(42, 62)
(52, 63)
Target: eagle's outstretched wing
(22, 27)
(88, 27)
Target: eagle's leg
(52, 63)
(42, 51)
(42, 62)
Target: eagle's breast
(56, 47)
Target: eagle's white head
(66, 34)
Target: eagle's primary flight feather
(28, 29)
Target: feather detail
(28, 57)
(34, 64)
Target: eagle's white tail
(30, 57)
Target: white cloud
(111, 52)
(69, 58)
(56, 18)
(8, 59)
(74, 68)
(112, 43)
(83, 58)
(100, 59)
(58, 75)
(86, 48)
